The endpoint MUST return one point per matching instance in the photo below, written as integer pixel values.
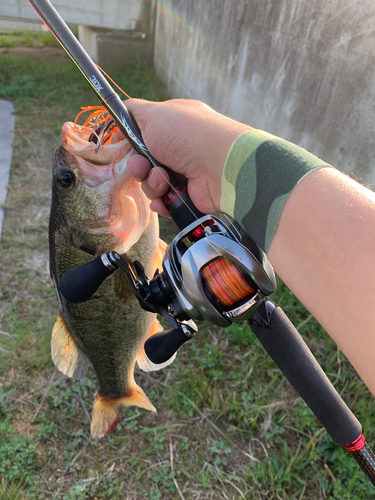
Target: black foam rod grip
(288, 350)
(161, 346)
(81, 282)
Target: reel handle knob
(81, 282)
(161, 346)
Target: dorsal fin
(66, 354)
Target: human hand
(191, 139)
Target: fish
(98, 207)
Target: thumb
(138, 108)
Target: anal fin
(66, 354)
(147, 365)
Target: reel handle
(81, 282)
(161, 346)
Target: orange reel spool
(226, 282)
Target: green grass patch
(19, 38)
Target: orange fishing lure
(99, 120)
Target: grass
(19, 38)
(229, 426)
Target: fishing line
(106, 95)
(115, 107)
(223, 278)
(114, 83)
(226, 282)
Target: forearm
(318, 228)
(322, 250)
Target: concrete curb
(7, 119)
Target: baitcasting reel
(210, 272)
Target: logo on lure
(96, 83)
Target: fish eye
(66, 178)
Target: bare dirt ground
(50, 55)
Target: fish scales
(97, 207)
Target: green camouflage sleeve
(259, 174)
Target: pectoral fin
(123, 290)
(66, 354)
(143, 360)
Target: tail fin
(107, 412)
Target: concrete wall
(113, 14)
(113, 32)
(301, 69)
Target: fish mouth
(97, 164)
(105, 167)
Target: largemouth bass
(97, 207)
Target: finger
(138, 167)
(156, 183)
(133, 103)
(135, 107)
(158, 206)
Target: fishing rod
(177, 200)
(211, 271)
